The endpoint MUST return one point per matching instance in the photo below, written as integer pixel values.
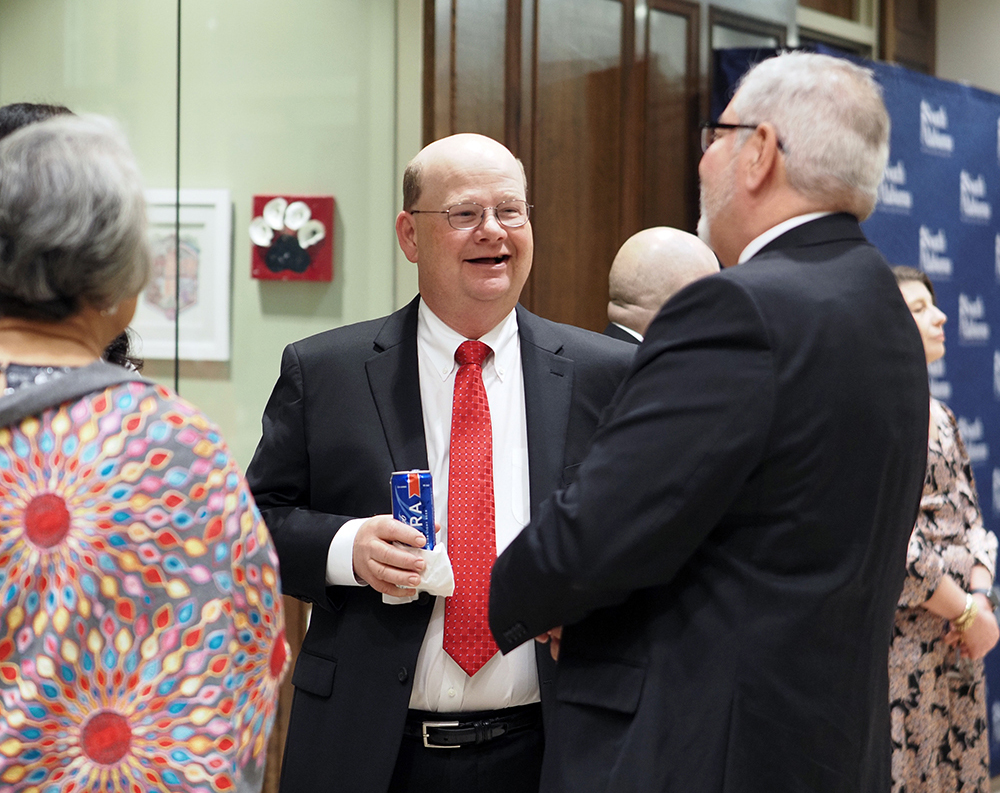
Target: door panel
(576, 169)
(599, 98)
(671, 173)
(479, 67)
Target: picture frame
(206, 268)
(285, 245)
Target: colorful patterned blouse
(141, 627)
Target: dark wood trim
(907, 33)
(452, 66)
(512, 77)
(528, 135)
(428, 105)
(887, 29)
(528, 36)
(633, 119)
(696, 90)
(440, 18)
(931, 45)
(699, 96)
(533, 99)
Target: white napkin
(436, 579)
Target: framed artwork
(292, 238)
(205, 265)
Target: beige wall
(301, 96)
(967, 48)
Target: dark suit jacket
(345, 413)
(728, 560)
(615, 332)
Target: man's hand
(553, 638)
(381, 564)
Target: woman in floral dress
(141, 628)
(944, 621)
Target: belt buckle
(426, 724)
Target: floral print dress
(938, 701)
(141, 626)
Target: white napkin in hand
(437, 577)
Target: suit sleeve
(687, 428)
(279, 476)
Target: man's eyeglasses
(511, 214)
(710, 132)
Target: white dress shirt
(776, 231)
(439, 684)
(628, 330)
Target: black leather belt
(454, 730)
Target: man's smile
(491, 259)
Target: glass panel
(105, 57)
(98, 56)
(577, 158)
(670, 157)
(299, 102)
(298, 99)
(725, 37)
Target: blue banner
(939, 210)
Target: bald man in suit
(648, 269)
(382, 702)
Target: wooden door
(599, 102)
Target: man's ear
(762, 152)
(406, 233)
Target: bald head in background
(650, 267)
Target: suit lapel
(548, 388)
(393, 377)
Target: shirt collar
(774, 232)
(628, 330)
(439, 342)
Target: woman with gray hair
(19, 114)
(142, 639)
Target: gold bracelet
(964, 620)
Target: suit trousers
(508, 764)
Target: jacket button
(402, 674)
(422, 598)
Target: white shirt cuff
(340, 557)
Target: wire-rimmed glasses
(510, 214)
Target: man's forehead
(464, 177)
(729, 116)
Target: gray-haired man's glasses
(710, 133)
(511, 214)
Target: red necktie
(472, 545)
